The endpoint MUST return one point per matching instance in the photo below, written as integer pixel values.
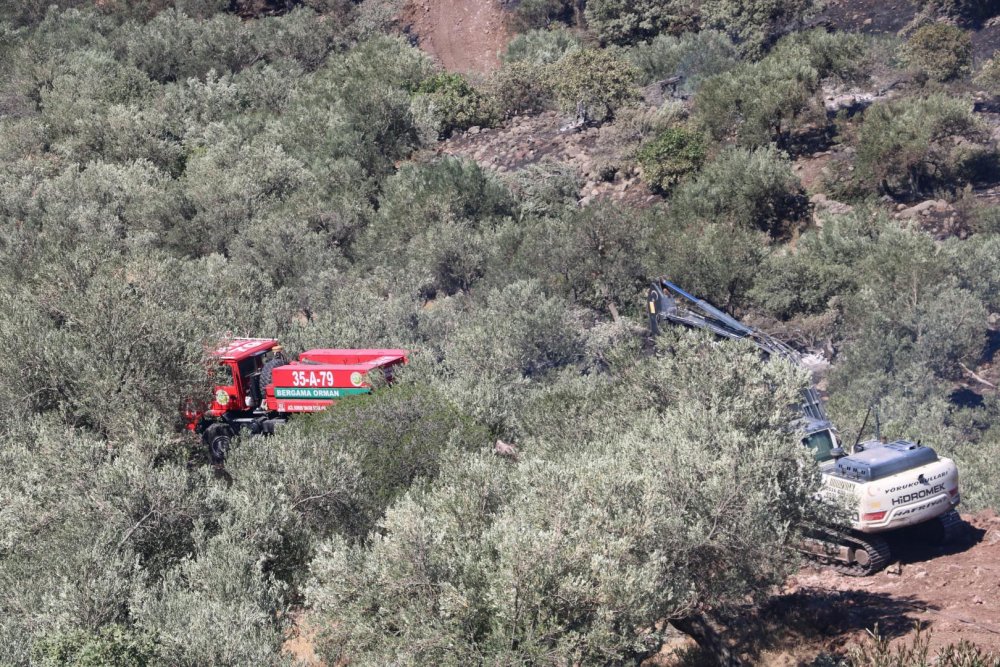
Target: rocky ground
(593, 152)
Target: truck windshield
(821, 442)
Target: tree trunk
(710, 637)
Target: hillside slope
(464, 36)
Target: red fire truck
(259, 388)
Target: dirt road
(464, 36)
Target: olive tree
(914, 145)
(626, 21)
(575, 558)
(754, 24)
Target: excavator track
(947, 528)
(853, 554)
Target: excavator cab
(823, 444)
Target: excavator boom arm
(669, 303)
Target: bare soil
(953, 592)
(465, 36)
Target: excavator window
(821, 442)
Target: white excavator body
(892, 485)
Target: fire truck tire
(218, 438)
(266, 372)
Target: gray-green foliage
(752, 188)
(786, 83)
(597, 256)
(753, 24)
(627, 21)
(564, 556)
(438, 223)
(988, 75)
(915, 145)
(541, 47)
(594, 82)
(941, 51)
(174, 46)
(520, 338)
(172, 178)
(905, 301)
(692, 55)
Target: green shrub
(174, 46)
(878, 650)
(627, 21)
(988, 75)
(439, 223)
(912, 145)
(597, 256)
(755, 189)
(693, 55)
(520, 88)
(353, 120)
(671, 156)
(717, 260)
(754, 24)
(594, 83)
(453, 104)
(942, 51)
(783, 89)
(112, 646)
(541, 47)
(545, 188)
(844, 56)
(396, 437)
(531, 14)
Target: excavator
(887, 486)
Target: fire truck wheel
(218, 437)
(266, 372)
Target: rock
(942, 206)
(923, 208)
(823, 203)
(920, 575)
(584, 201)
(900, 207)
(475, 129)
(977, 600)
